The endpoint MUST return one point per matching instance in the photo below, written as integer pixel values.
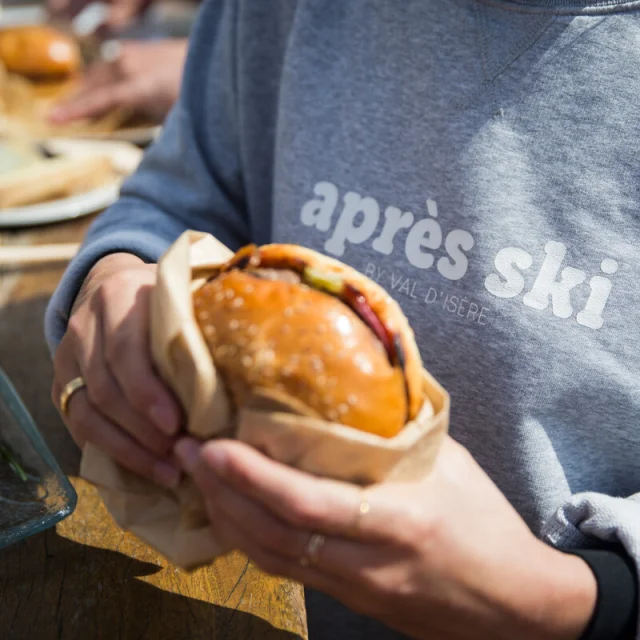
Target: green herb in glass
(12, 461)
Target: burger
(287, 322)
(39, 52)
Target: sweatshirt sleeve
(588, 520)
(188, 179)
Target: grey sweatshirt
(479, 159)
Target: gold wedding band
(70, 388)
(312, 550)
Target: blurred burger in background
(93, 67)
(140, 62)
(39, 52)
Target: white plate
(59, 210)
(25, 15)
(141, 136)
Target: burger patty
(279, 275)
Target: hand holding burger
(144, 77)
(124, 409)
(444, 557)
(401, 552)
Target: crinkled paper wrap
(174, 522)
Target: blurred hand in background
(121, 12)
(143, 76)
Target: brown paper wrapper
(174, 522)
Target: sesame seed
(209, 330)
(288, 312)
(234, 324)
(229, 294)
(327, 348)
(352, 399)
(221, 351)
(204, 315)
(247, 361)
(342, 409)
(253, 329)
(333, 414)
(237, 303)
(317, 364)
(286, 371)
(363, 363)
(219, 297)
(249, 288)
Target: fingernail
(188, 453)
(166, 474)
(164, 418)
(217, 459)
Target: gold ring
(69, 389)
(363, 508)
(312, 550)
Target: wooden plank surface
(86, 579)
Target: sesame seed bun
(283, 335)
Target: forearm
(544, 594)
(569, 597)
(189, 179)
(582, 594)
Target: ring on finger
(67, 393)
(363, 509)
(312, 550)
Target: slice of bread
(52, 178)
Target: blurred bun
(268, 328)
(39, 52)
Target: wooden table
(86, 579)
